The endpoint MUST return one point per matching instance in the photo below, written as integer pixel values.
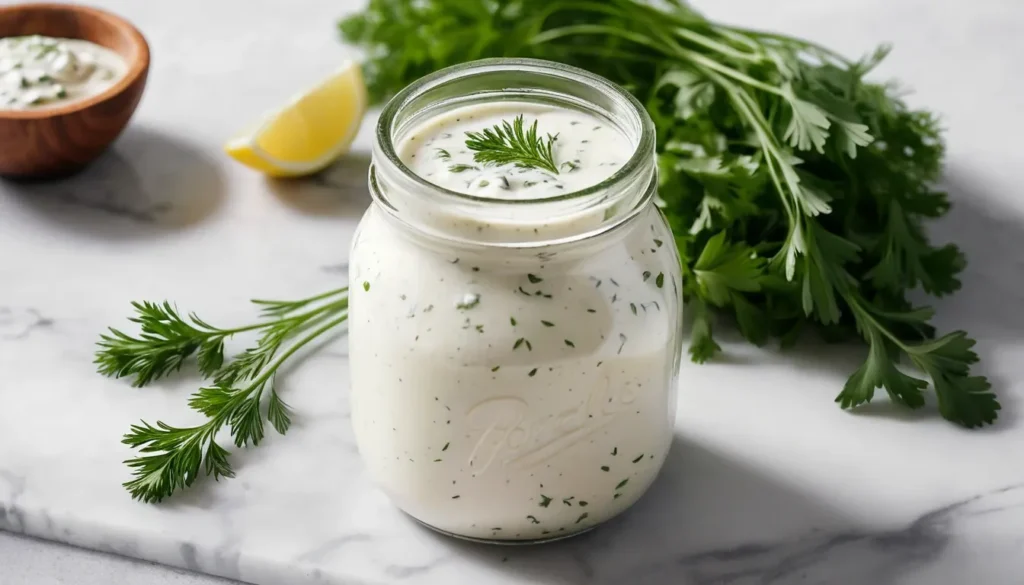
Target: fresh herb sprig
(167, 339)
(796, 189)
(242, 393)
(512, 143)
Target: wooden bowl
(60, 140)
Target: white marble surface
(767, 482)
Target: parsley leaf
(702, 345)
(880, 371)
(724, 267)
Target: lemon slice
(310, 132)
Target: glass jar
(514, 384)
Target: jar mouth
(639, 159)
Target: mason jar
(514, 361)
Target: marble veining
(18, 323)
(767, 482)
(859, 556)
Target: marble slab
(767, 480)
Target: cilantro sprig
(796, 189)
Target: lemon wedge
(310, 132)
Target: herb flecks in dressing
(514, 150)
(530, 379)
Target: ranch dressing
(38, 72)
(513, 394)
(586, 152)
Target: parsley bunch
(797, 190)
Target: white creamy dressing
(514, 394)
(37, 71)
(586, 152)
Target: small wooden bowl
(57, 141)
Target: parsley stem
(761, 128)
(608, 53)
(297, 319)
(863, 314)
(304, 302)
(339, 304)
(716, 46)
(681, 52)
(725, 70)
(803, 43)
(272, 368)
(294, 319)
(593, 29)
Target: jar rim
(386, 122)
